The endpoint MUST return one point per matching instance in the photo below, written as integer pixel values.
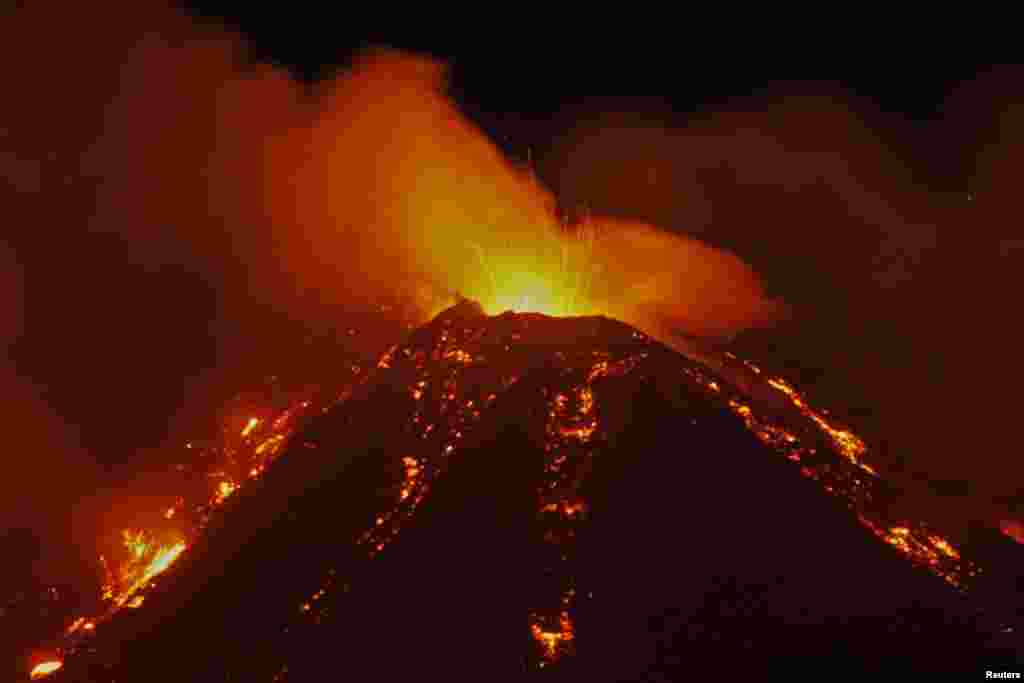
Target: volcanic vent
(520, 495)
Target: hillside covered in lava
(518, 495)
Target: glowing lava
(224, 491)
(45, 669)
(531, 293)
(148, 560)
(251, 425)
(148, 553)
(460, 372)
(552, 642)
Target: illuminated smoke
(369, 186)
(388, 181)
(41, 460)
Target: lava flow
(577, 387)
(149, 558)
(148, 553)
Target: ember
(149, 559)
(554, 643)
(850, 479)
(45, 669)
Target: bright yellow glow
(251, 425)
(224, 490)
(531, 293)
(553, 276)
(552, 641)
(45, 669)
(148, 560)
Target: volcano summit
(519, 495)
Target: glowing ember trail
(848, 444)
(149, 559)
(45, 669)
(556, 281)
(450, 380)
(848, 478)
(554, 644)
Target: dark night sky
(844, 182)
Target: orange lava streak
(552, 642)
(915, 541)
(45, 669)
(224, 491)
(148, 560)
(845, 441)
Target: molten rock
(522, 495)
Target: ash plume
(164, 190)
(388, 180)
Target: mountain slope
(524, 495)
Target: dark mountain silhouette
(517, 496)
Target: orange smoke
(183, 151)
(389, 184)
(369, 187)
(384, 185)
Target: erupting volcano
(554, 469)
(521, 494)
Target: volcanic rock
(516, 496)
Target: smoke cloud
(892, 241)
(385, 182)
(167, 197)
(164, 191)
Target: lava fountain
(383, 184)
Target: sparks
(846, 442)
(574, 435)
(552, 642)
(250, 426)
(555, 281)
(150, 553)
(148, 560)
(915, 542)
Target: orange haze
(157, 142)
(383, 183)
